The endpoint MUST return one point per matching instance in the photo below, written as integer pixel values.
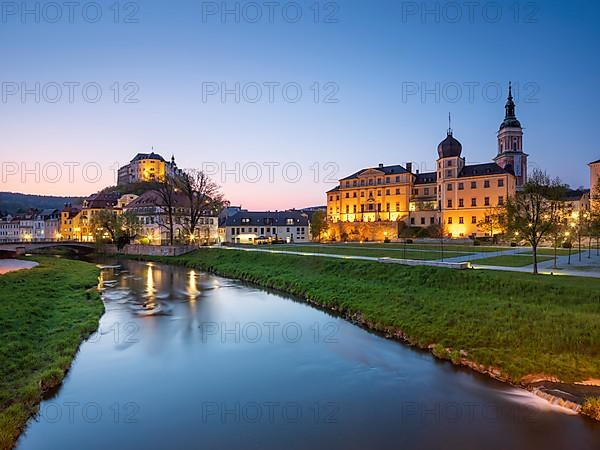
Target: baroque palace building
(458, 195)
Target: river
(185, 359)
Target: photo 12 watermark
(254, 172)
(270, 412)
(69, 12)
(53, 172)
(466, 412)
(271, 12)
(68, 92)
(470, 12)
(467, 92)
(269, 332)
(270, 92)
(117, 333)
(88, 412)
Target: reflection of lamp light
(150, 283)
(192, 289)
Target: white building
(32, 226)
(152, 214)
(9, 229)
(250, 227)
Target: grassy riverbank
(45, 313)
(516, 322)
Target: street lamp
(567, 234)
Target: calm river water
(185, 359)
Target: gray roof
(426, 178)
(266, 218)
(482, 170)
(387, 170)
(152, 155)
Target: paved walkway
(544, 268)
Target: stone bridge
(19, 248)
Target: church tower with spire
(510, 143)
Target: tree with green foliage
(494, 222)
(535, 211)
(120, 229)
(318, 225)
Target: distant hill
(12, 202)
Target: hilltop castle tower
(510, 143)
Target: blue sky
(368, 59)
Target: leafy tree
(108, 226)
(534, 212)
(494, 222)
(318, 224)
(104, 225)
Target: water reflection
(187, 372)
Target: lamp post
(567, 234)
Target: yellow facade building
(459, 196)
(146, 167)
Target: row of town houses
(232, 224)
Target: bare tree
(203, 197)
(166, 187)
(534, 212)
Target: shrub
(591, 407)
